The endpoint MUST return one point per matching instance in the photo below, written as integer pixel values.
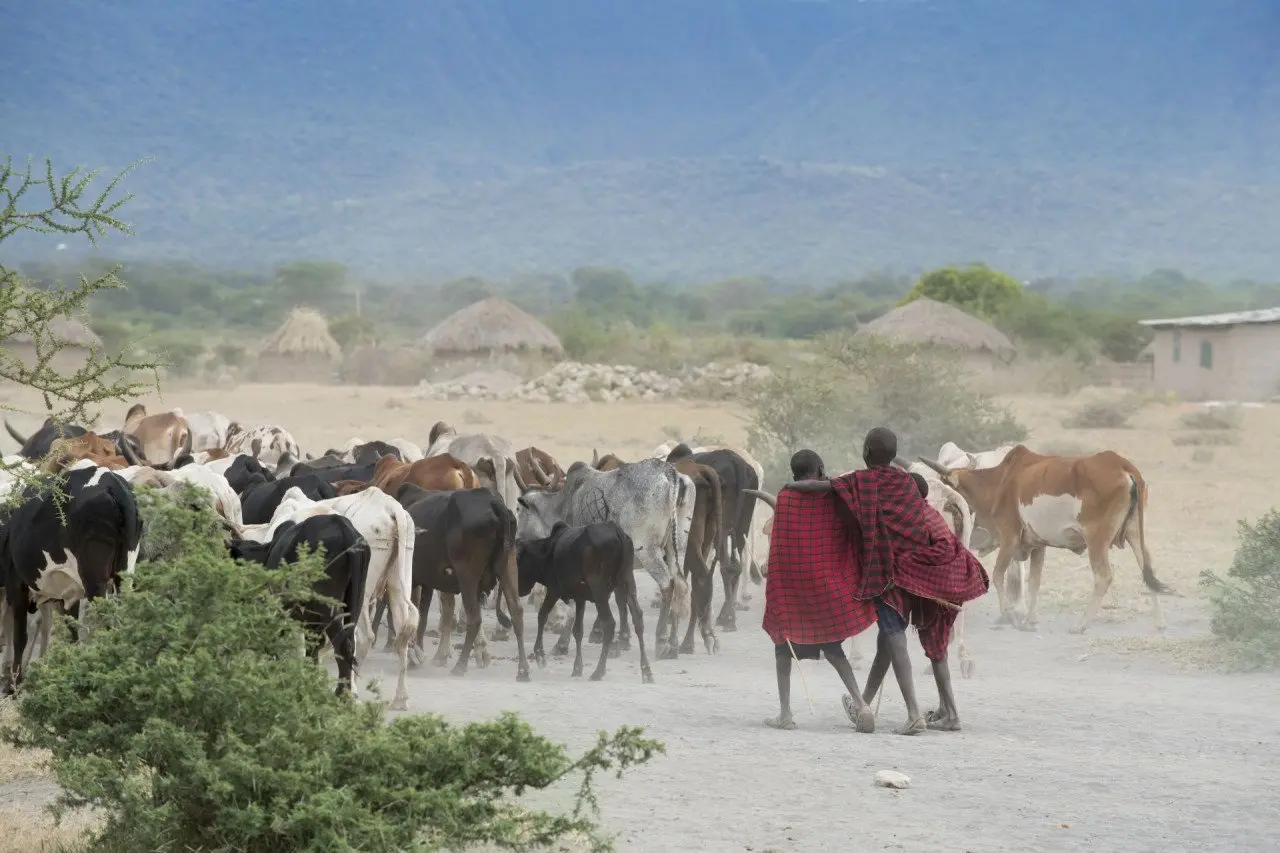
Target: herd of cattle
(471, 513)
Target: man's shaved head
(879, 448)
(807, 465)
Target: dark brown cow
(1080, 503)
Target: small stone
(892, 779)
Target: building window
(1177, 345)
(1206, 355)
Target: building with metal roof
(1233, 356)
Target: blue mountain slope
(678, 137)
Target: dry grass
(1217, 418)
(1206, 439)
(1194, 654)
(18, 765)
(26, 787)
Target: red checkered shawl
(809, 595)
(905, 543)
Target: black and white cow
(346, 571)
(259, 502)
(68, 553)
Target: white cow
(409, 452)
(389, 531)
(268, 443)
(209, 430)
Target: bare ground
(1122, 740)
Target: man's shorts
(891, 621)
(810, 651)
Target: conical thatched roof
(924, 321)
(67, 329)
(490, 325)
(304, 332)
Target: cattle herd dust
(1119, 738)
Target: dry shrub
(1104, 414)
(1202, 455)
(829, 405)
(1206, 439)
(385, 366)
(1218, 418)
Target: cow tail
(358, 557)
(500, 556)
(679, 585)
(124, 499)
(1138, 504)
(719, 531)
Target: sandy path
(1064, 748)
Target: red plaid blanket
(905, 543)
(809, 594)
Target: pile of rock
(573, 382)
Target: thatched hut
(301, 350)
(79, 339)
(489, 328)
(924, 321)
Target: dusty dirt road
(1095, 743)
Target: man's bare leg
(855, 707)
(947, 717)
(784, 720)
(879, 666)
(900, 660)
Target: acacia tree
(33, 312)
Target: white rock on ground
(892, 779)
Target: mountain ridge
(676, 138)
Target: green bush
(1103, 414)
(190, 721)
(1246, 603)
(1219, 418)
(829, 405)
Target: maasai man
(810, 607)
(909, 569)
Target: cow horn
(902, 463)
(762, 495)
(17, 436)
(538, 471)
(519, 478)
(937, 466)
(126, 450)
(595, 458)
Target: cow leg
(406, 616)
(633, 604)
(1036, 567)
(471, 607)
(1100, 562)
(548, 604)
(580, 610)
(480, 651)
(379, 609)
(604, 614)
(509, 588)
(445, 645)
(561, 648)
(418, 651)
(623, 637)
(962, 651)
(1003, 559)
(342, 636)
(17, 637)
(663, 648)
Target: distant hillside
(683, 138)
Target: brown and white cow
(1080, 503)
(539, 468)
(163, 437)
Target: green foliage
(976, 289)
(829, 405)
(230, 354)
(35, 312)
(182, 352)
(190, 721)
(350, 330)
(1217, 418)
(1246, 603)
(313, 283)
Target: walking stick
(803, 681)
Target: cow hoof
(596, 676)
(730, 627)
(966, 669)
(433, 633)
(417, 656)
(669, 653)
(440, 661)
(522, 675)
(1076, 629)
(458, 670)
(577, 672)
(713, 646)
(646, 676)
(540, 659)
(560, 651)
(615, 652)
(400, 705)
(686, 648)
